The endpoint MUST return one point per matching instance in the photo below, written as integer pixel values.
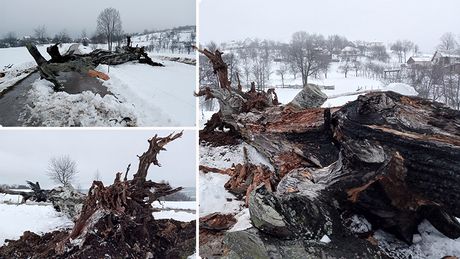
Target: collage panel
(98, 64)
(329, 129)
(97, 194)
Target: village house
(349, 53)
(419, 61)
(447, 60)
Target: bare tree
(282, 71)
(11, 39)
(379, 52)
(305, 54)
(40, 33)
(397, 49)
(346, 66)
(407, 46)
(62, 170)
(108, 24)
(448, 42)
(62, 37)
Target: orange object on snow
(94, 73)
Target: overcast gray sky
(422, 21)
(23, 16)
(24, 155)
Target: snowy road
(161, 96)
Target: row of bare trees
(171, 40)
(109, 30)
(306, 55)
(436, 82)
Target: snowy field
(15, 219)
(148, 96)
(179, 210)
(345, 89)
(41, 217)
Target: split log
(400, 162)
(397, 162)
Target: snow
(346, 89)
(8, 198)
(15, 219)
(177, 215)
(359, 224)
(15, 74)
(86, 109)
(243, 221)
(224, 156)
(22, 63)
(339, 101)
(161, 96)
(179, 210)
(429, 244)
(214, 197)
(185, 205)
(401, 88)
(20, 55)
(325, 239)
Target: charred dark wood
(391, 158)
(400, 157)
(56, 56)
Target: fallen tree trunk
(392, 158)
(84, 63)
(36, 194)
(117, 221)
(65, 199)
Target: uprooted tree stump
(117, 221)
(391, 158)
(84, 63)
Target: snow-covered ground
(430, 243)
(15, 219)
(213, 195)
(49, 108)
(160, 96)
(345, 89)
(178, 210)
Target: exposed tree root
(117, 221)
